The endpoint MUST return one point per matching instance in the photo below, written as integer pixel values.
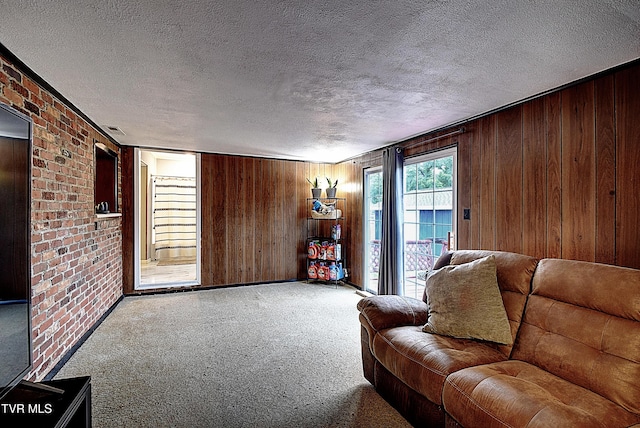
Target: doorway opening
(167, 223)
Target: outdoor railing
(419, 254)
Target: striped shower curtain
(174, 217)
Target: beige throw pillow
(465, 302)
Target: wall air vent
(113, 130)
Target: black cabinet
(63, 403)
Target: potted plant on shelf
(331, 190)
(316, 191)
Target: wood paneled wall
(250, 226)
(254, 213)
(349, 187)
(627, 161)
(128, 236)
(556, 176)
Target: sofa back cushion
(582, 323)
(514, 272)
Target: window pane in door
(373, 227)
(429, 203)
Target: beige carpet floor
(275, 355)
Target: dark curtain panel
(390, 277)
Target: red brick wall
(76, 258)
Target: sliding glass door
(429, 207)
(372, 226)
(429, 217)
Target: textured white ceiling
(313, 80)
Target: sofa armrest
(393, 311)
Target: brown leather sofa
(575, 360)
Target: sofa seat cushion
(422, 360)
(517, 394)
